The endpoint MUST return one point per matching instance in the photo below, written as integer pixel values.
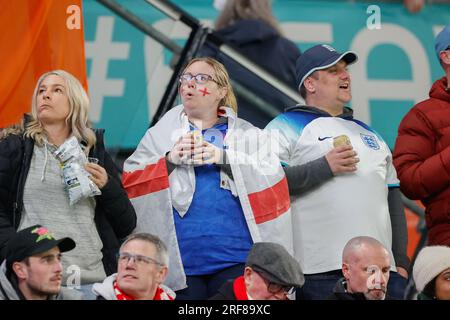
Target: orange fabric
(35, 39)
(414, 235)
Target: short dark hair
(302, 90)
(26, 261)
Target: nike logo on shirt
(324, 138)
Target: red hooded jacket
(422, 159)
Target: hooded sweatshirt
(10, 291)
(306, 135)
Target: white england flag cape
(258, 180)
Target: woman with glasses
(33, 190)
(208, 184)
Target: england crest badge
(370, 141)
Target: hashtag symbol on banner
(101, 51)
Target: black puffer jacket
(225, 292)
(340, 293)
(115, 217)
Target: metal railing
(197, 38)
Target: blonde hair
(236, 10)
(222, 79)
(77, 118)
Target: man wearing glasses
(270, 273)
(422, 152)
(142, 267)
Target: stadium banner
(37, 36)
(128, 72)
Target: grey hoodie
(105, 289)
(7, 291)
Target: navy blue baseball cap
(442, 40)
(320, 57)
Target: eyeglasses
(200, 78)
(275, 288)
(124, 257)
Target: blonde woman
(32, 191)
(208, 213)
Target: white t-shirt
(348, 205)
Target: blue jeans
(397, 286)
(320, 286)
(204, 287)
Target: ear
(248, 272)
(309, 85)
(346, 271)
(20, 270)
(162, 275)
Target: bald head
(365, 265)
(356, 248)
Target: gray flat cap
(276, 263)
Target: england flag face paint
(204, 91)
